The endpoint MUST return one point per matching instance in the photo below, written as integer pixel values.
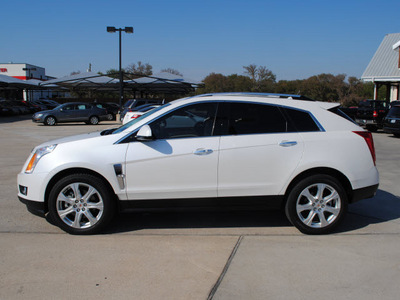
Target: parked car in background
(131, 115)
(370, 113)
(10, 105)
(350, 111)
(71, 112)
(32, 107)
(392, 121)
(111, 109)
(133, 104)
(238, 150)
(48, 104)
(5, 110)
(393, 103)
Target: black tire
(314, 213)
(396, 135)
(50, 121)
(85, 212)
(110, 117)
(94, 120)
(372, 128)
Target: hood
(72, 138)
(44, 111)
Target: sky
(293, 39)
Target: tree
(172, 71)
(140, 68)
(251, 71)
(263, 79)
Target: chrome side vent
(120, 176)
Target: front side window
(195, 120)
(69, 107)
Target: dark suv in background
(371, 113)
(392, 121)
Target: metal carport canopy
(9, 82)
(159, 83)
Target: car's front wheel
(317, 204)
(50, 121)
(81, 204)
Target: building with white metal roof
(384, 68)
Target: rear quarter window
(301, 121)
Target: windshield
(134, 121)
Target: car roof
(289, 100)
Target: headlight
(38, 115)
(39, 153)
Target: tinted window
(301, 120)
(189, 121)
(69, 107)
(248, 118)
(394, 112)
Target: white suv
(258, 150)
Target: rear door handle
(203, 151)
(288, 143)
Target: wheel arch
(71, 171)
(343, 180)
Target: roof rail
(273, 95)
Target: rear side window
(248, 118)
(301, 120)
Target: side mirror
(144, 134)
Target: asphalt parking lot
(196, 255)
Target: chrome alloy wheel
(318, 205)
(79, 205)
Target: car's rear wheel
(110, 117)
(50, 121)
(81, 204)
(94, 120)
(317, 204)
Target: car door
(258, 151)
(181, 160)
(66, 113)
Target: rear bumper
(364, 193)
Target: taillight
(370, 142)
(135, 116)
(375, 114)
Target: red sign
(3, 70)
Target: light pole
(121, 79)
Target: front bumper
(37, 119)
(36, 208)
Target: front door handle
(202, 151)
(288, 143)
